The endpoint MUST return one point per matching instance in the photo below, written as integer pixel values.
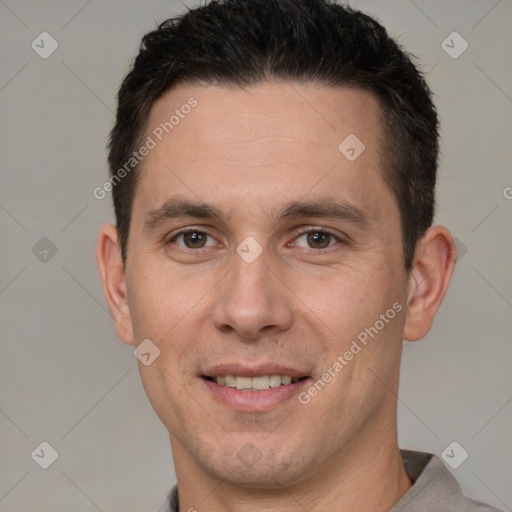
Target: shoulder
(434, 487)
(463, 503)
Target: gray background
(64, 376)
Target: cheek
(163, 313)
(170, 309)
(160, 298)
(344, 300)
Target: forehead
(310, 113)
(268, 144)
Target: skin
(300, 303)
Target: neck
(366, 476)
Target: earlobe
(112, 272)
(429, 279)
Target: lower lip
(254, 401)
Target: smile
(258, 383)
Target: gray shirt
(434, 489)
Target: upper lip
(244, 370)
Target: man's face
(254, 293)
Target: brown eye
(318, 239)
(192, 239)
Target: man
(273, 166)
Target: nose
(252, 300)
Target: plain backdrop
(65, 378)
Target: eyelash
(299, 234)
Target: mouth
(254, 389)
(257, 383)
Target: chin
(253, 468)
(268, 477)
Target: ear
(112, 272)
(430, 276)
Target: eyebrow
(327, 208)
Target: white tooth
(261, 382)
(230, 381)
(275, 381)
(243, 382)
